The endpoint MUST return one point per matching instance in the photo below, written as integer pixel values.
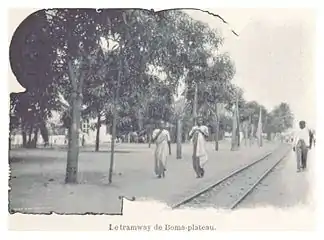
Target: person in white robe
(162, 139)
(199, 134)
(301, 145)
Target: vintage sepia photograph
(193, 108)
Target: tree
(75, 36)
(281, 118)
(180, 108)
(115, 83)
(215, 91)
(97, 93)
(30, 56)
(250, 117)
(192, 44)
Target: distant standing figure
(314, 138)
(310, 138)
(161, 137)
(300, 146)
(83, 140)
(199, 134)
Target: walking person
(199, 134)
(314, 138)
(311, 139)
(300, 146)
(162, 139)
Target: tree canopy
(124, 63)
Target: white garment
(161, 150)
(201, 144)
(302, 134)
(164, 135)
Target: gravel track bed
(224, 195)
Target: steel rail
(233, 173)
(257, 182)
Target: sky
(273, 55)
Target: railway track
(230, 191)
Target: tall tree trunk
(113, 137)
(35, 139)
(179, 138)
(44, 132)
(116, 99)
(24, 138)
(269, 136)
(69, 137)
(245, 138)
(217, 129)
(140, 123)
(238, 136)
(245, 132)
(217, 136)
(9, 143)
(238, 130)
(149, 136)
(30, 132)
(98, 131)
(73, 152)
(251, 134)
(195, 105)
(234, 131)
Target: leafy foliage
(171, 43)
(125, 61)
(281, 118)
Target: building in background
(58, 135)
